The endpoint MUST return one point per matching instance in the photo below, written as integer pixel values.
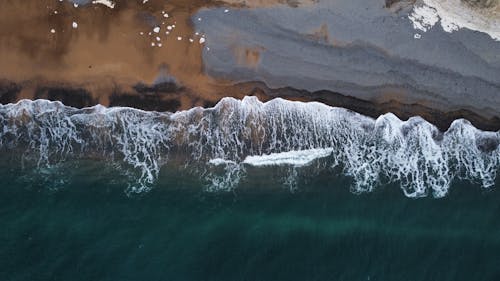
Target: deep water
(75, 222)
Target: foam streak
(219, 143)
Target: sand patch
(477, 15)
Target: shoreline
(173, 56)
(169, 97)
(218, 143)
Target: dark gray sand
(359, 48)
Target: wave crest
(220, 143)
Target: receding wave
(222, 143)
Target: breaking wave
(222, 143)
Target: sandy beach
(169, 56)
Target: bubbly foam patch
(294, 158)
(219, 144)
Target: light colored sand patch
(424, 17)
(454, 15)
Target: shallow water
(88, 228)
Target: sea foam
(219, 144)
(295, 158)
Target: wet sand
(109, 59)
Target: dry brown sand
(105, 50)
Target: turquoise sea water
(75, 222)
(244, 191)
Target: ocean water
(88, 228)
(244, 191)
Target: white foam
(220, 161)
(296, 158)
(235, 133)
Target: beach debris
(108, 3)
